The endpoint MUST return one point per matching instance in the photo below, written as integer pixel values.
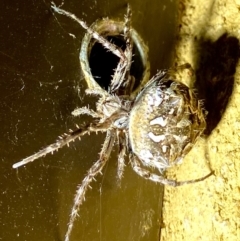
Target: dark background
(40, 84)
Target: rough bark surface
(209, 210)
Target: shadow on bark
(215, 76)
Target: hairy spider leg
(110, 46)
(136, 165)
(121, 77)
(92, 173)
(85, 111)
(98, 91)
(62, 141)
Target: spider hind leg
(136, 165)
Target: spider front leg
(92, 173)
(108, 45)
(136, 165)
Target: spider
(157, 128)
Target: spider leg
(121, 74)
(136, 165)
(129, 80)
(110, 46)
(122, 152)
(85, 111)
(62, 141)
(99, 91)
(92, 173)
(127, 26)
(128, 39)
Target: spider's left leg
(136, 165)
(92, 173)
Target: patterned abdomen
(165, 122)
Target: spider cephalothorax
(157, 128)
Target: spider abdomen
(165, 122)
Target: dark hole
(215, 76)
(103, 62)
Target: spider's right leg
(136, 165)
(92, 173)
(62, 141)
